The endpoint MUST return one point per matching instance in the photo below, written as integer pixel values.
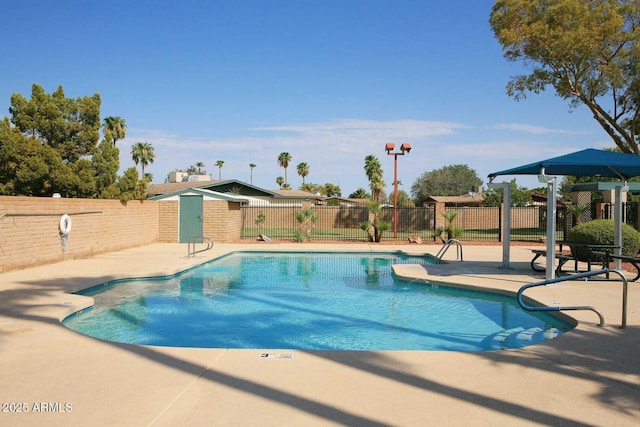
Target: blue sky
(328, 81)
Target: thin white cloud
(351, 128)
(531, 129)
(335, 150)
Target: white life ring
(65, 225)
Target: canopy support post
(617, 215)
(551, 223)
(506, 223)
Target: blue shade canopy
(589, 162)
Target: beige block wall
(169, 221)
(29, 228)
(221, 220)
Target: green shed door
(190, 218)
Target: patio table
(590, 247)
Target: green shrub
(298, 236)
(601, 231)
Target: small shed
(192, 213)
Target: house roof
(542, 198)
(466, 198)
(229, 186)
(357, 201)
(295, 194)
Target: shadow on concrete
(572, 355)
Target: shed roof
(202, 192)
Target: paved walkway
(589, 376)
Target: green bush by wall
(601, 231)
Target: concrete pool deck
(589, 376)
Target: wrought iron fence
(629, 213)
(334, 222)
(344, 223)
(473, 223)
(485, 223)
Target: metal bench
(608, 257)
(562, 260)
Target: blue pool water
(308, 301)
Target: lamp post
(404, 148)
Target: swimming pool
(314, 301)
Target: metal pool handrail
(191, 245)
(584, 275)
(446, 246)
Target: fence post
(439, 209)
(500, 222)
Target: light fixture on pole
(404, 148)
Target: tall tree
(28, 168)
(70, 126)
(587, 50)
(200, 165)
(283, 160)
(360, 193)
(311, 188)
(144, 154)
(330, 190)
(303, 171)
(114, 128)
(453, 180)
(46, 150)
(403, 199)
(520, 196)
(11, 143)
(377, 188)
(374, 172)
(106, 162)
(130, 187)
(219, 164)
(251, 166)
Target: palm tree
(372, 166)
(143, 153)
(373, 169)
(576, 212)
(114, 127)
(200, 165)
(280, 181)
(374, 226)
(283, 160)
(251, 165)
(377, 188)
(311, 188)
(360, 193)
(303, 170)
(219, 164)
